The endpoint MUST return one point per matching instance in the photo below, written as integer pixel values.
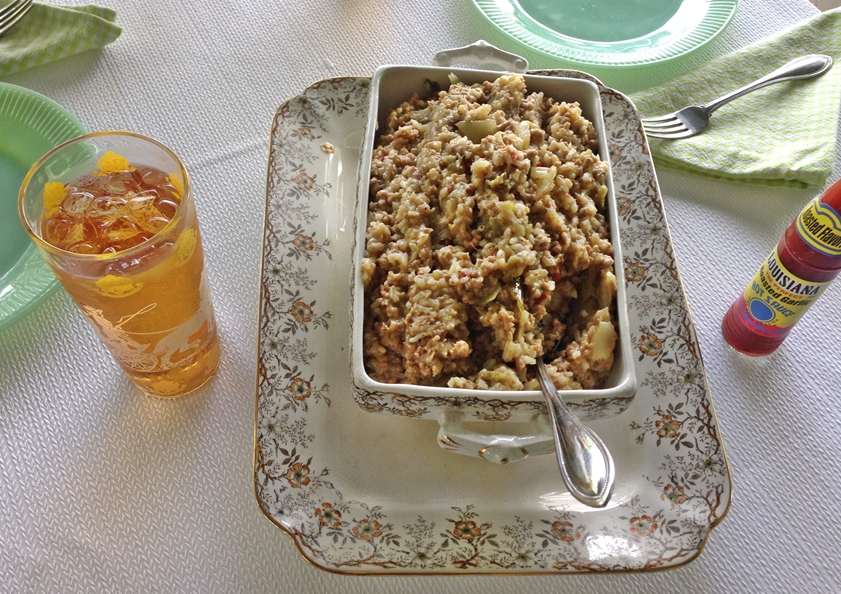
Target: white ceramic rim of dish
(622, 383)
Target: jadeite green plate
(30, 125)
(610, 33)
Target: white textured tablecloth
(104, 490)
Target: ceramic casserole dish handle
(481, 52)
(453, 436)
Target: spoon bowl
(584, 460)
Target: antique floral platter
(373, 493)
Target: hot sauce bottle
(792, 277)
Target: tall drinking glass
(113, 215)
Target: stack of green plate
(30, 125)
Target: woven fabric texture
(48, 33)
(781, 135)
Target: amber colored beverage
(120, 231)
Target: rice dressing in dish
(487, 243)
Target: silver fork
(693, 119)
(12, 13)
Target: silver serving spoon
(584, 460)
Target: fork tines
(663, 125)
(12, 13)
(667, 126)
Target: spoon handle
(584, 460)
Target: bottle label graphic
(804, 262)
(819, 226)
(775, 299)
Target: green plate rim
(502, 15)
(29, 281)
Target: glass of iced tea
(113, 215)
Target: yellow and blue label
(776, 299)
(820, 226)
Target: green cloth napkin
(781, 135)
(49, 32)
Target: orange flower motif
(372, 407)
(117, 287)
(184, 247)
(300, 389)
(298, 475)
(634, 272)
(564, 531)
(674, 494)
(643, 525)
(667, 426)
(328, 516)
(302, 312)
(306, 132)
(53, 197)
(304, 181)
(110, 163)
(467, 530)
(367, 530)
(650, 345)
(303, 243)
(624, 205)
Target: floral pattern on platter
(491, 409)
(683, 478)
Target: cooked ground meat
(487, 244)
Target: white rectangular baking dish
(391, 86)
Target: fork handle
(802, 67)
